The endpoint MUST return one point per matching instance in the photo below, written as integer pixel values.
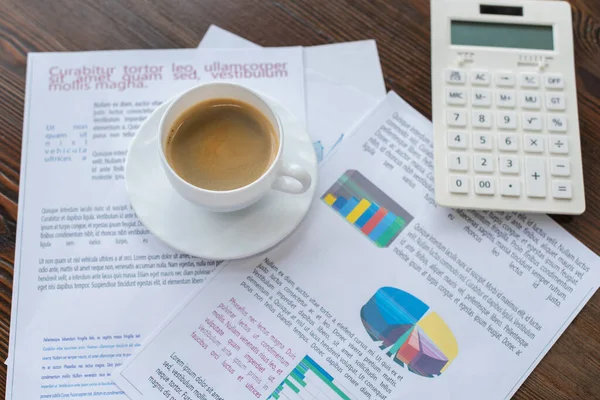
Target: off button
(554, 82)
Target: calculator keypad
(508, 143)
(510, 187)
(509, 164)
(481, 98)
(485, 186)
(532, 121)
(554, 82)
(507, 134)
(483, 141)
(530, 80)
(560, 166)
(505, 99)
(480, 78)
(559, 146)
(557, 123)
(507, 120)
(530, 100)
(505, 79)
(555, 102)
(481, 119)
(455, 96)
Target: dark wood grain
(401, 28)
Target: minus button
(560, 167)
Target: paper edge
(9, 362)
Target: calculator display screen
(492, 34)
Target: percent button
(557, 123)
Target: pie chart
(413, 335)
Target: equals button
(562, 190)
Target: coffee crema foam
(221, 144)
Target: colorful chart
(367, 208)
(309, 381)
(411, 334)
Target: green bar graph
(298, 378)
(329, 383)
(291, 385)
(308, 380)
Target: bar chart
(309, 381)
(367, 208)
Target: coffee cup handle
(292, 179)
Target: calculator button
(483, 163)
(456, 118)
(506, 120)
(555, 102)
(456, 76)
(530, 100)
(480, 78)
(509, 164)
(559, 145)
(532, 122)
(481, 98)
(456, 97)
(533, 143)
(508, 143)
(484, 186)
(560, 167)
(458, 162)
(458, 140)
(557, 123)
(481, 119)
(535, 176)
(459, 184)
(505, 79)
(483, 141)
(505, 99)
(562, 190)
(554, 82)
(510, 187)
(530, 80)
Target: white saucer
(219, 236)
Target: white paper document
(343, 81)
(379, 294)
(90, 280)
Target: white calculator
(505, 106)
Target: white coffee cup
(281, 176)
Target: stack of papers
(379, 294)
(343, 81)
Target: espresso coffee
(221, 144)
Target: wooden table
(570, 370)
